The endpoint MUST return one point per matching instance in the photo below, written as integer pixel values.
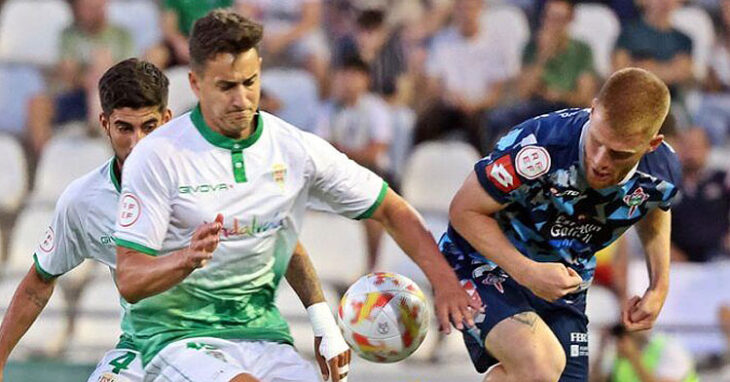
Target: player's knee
(244, 377)
(547, 369)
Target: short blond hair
(635, 100)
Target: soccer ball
(384, 317)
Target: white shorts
(207, 359)
(119, 365)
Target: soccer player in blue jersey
(526, 223)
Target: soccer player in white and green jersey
(133, 97)
(203, 299)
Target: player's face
(229, 90)
(126, 126)
(610, 154)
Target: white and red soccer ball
(384, 317)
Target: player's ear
(655, 142)
(194, 80)
(104, 121)
(167, 116)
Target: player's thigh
(275, 362)
(119, 365)
(195, 360)
(524, 344)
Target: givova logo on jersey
(204, 188)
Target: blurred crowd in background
(417, 91)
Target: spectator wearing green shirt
(653, 44)
(177, 19)
(557, 73)
(88, 47)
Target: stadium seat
(434, 173)
(598, 26)
(181, 98)
(14, 176)
(30, 30)
(297, 90)
(100, 296)
(696, 292)
(92, 336)
(697, 24)
(141, 18)
(20, 83)
(332, 241)
(64, 160)
(27, 233)
(509, 23)
(718, 158)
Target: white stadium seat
(510, 24)
(332, 241)
(30, 30)
(181, 98)
(598, 26)
(14, 177)
(297, 90)
(141, 18)
(29, 229)
(64, 160)
(697, 24)
(434, 173)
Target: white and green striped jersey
(82, 228)
(183, 174)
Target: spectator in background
(642, 356)
(557, 73)
(177, 19)
(359, 124)
(381, 48)
(700, 222)
(714, 111)
(467, 69)
(653, 44)
(294, 35)
(88, 47)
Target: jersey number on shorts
(122, 362)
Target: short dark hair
(370, 19)
(222, 31)
(355, 63)
(135, 84)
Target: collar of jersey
(222, 141)
(113, 175)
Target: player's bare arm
(28, 302)
(406, 226)
(330, 349)
(140, 275)
(470, 214)
(654, 232)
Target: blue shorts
(502, 297)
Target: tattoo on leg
(526, 318)
(39, 301)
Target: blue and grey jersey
(551, 213)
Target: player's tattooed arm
(303, 278)
(27, 303)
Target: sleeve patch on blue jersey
(502, 174)
(532, 162)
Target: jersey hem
(246, 334)
(135, 246)
(381, 196)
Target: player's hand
(550, 281)
(205, 240)
(454, 306)
(338, 366)
(639, 313)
